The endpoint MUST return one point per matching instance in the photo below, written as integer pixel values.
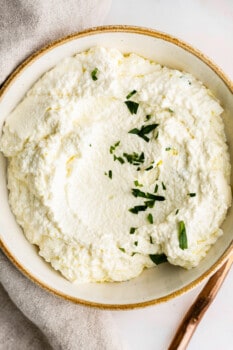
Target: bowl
(153, 285)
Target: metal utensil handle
(199, 307)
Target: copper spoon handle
(199, 307)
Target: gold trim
(109, 29)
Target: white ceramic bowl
(156, 284)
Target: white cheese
(58, 141)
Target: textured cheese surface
(72, 198)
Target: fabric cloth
(44, 321)
(31, 318)
(27, 25)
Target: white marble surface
(208, 26)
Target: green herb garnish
(192, 194)
(177, 211)
(164, 187)
(148, 116)
(132, 106)
(148, 204)
(112, 148)
(158, 258)
(155, 197)
(131, 94)
(149, 168)
(136, 183)
(138, 208)
(120, 159)
(132, 230)
(183, 241)
(151, 240)
(150, 218)
(133, 253)
(156, 188)
(122, 249)
(134, 158)
(167, 148)
(157, 135)
(144, 131)
(136, 243)
(109, 174)
(138, 193)
(93, 74)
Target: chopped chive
(183, 241)
(155, 197)
(117, 144)
(157, 135)
(148, 128)
(148, 116)
(109, 174)
(137, 132)
(132, 106)
(112, 148)
(170, 110)
(151, 240)
(167, 148)
(150, 204)
(144, 131)
(122, 249)
(93, 74)
(120, 159)
(149, 168)
(156, 188)
(133, 253)
(134, 158)
(136, 243)
(150, 218)
(131, 94)
(192, 194)
(189, 82)
(90, 145)
(138, 208)
(163, 186)
(158, 258)
(177, 211)
(132, 230)
(138, 169)
(137, 184)
(137, 193)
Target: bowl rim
(108, 29)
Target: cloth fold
(31, 318)
(64, 325)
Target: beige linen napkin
(26, 25)
(31, 318)
(55, 323)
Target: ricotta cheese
(114, 163)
